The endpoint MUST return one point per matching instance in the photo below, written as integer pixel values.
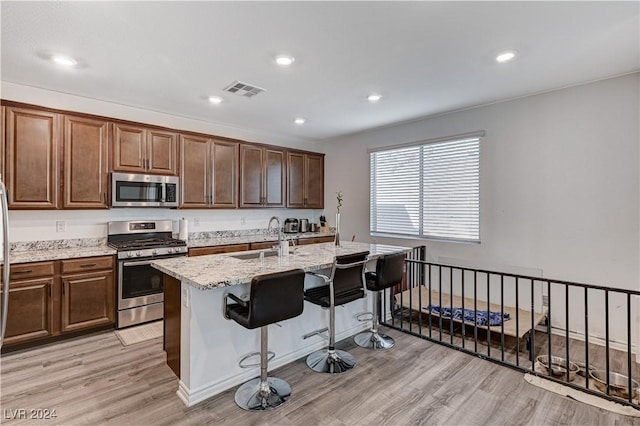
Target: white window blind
(430, 190)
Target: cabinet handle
(104, 197)
(27, 271)
(88, 265)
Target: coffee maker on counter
(304, 225)
(291, 226)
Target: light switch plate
(61, 226)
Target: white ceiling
(425, 58)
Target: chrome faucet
(280, 236)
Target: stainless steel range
(140, 290)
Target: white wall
(560, 183)
(41, 225)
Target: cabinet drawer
(31, 270)
(202, 251)
(87, 264)
(263, 245)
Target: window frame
(421, 236)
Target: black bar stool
(273, 298)
(389, 272)
(345, 285)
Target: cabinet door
(275, 180)
(162, 152)
(251, 176)
(129, 149)
(32, 158)
(295, 179)
(314, 181)
(87, 300)
(194, 170)
(225, 174)
(30, 311)
(85, 166)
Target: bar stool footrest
(361, 316)
(270, 355)
(257, 396)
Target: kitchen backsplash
(70, 225)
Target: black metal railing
(447, 304)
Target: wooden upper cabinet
(32, 154)
(275, 179)
(225, 174)
(86, 168)
(129, 149)
(295, 180)
(251, 176)
(209, 173)
(162, 148)
(314, 181)
(142, 150)
(262, 177)
(305, 182)
(194, 172)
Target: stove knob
(137, 254)
(154, 252)
(129, 254)
(170, 250)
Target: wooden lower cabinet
(316, 240)
(203, 251)
(87, 300)
(30, 312)
(54, 298)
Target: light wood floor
(95, 380)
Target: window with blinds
(430, 190)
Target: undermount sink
(255, 254)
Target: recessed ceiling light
(506, 56)
(299, 121)
(374, 97)
(65, 61)
(285, 60)
(215, 99)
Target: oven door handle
(140, 263)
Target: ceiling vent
(243, 89)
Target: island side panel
(212, 345)
(172, 323)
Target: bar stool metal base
(257, 396)
(374, 340)
(333, 362)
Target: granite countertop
(41, 251)
(221, 270)
(245, 239)
(61, 253)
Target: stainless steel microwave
(136, 190)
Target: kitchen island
(203, 348)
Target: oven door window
(140, 280)
(138, 191)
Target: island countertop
(221, 270)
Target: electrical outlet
(61, 226)
(243, 220)
(196, 222)
(545, 300)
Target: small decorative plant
(339, 197)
